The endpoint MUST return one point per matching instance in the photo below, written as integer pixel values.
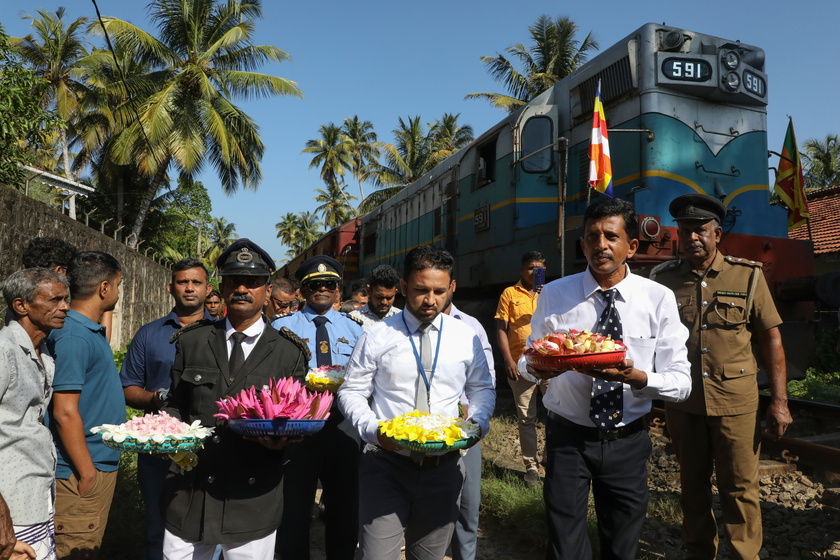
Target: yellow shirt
(516, 306)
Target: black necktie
(422, 399)
(606, 406)
(237, 355)
(323, 356)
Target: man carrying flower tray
(402, 364)
(233, 496)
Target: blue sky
(382, 60)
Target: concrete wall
(143, 295)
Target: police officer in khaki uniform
(726, 305)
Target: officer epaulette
(354, 319)
(664, 267)
(287, 333)
(191, 326)
(743, 261)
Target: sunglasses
(285, 304)
(316, 285)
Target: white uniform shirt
(369, 318)
(654, 335)
(381, 378)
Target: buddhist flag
(600, 167)
(790, 184)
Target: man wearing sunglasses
(331, 455)
(283, 301)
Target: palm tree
(823, 162)
(309, 230)
(335, 205)
(287, 229)
(207, 57)
(52, 53)
(331, 153)
(447, 136)
(222, 234)
(405, 161)
(364, 148)
(553, 55)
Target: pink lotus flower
(284, 398)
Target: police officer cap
(697, 207)
(319, 267)
(246, 258)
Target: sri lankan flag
(600, 167)
(790, 184)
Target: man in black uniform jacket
(233, 496)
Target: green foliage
(24, 126)
(119, 355)
(822, 381)
(179, 217)
(525, 72)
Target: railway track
(812, 441)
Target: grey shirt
(27, 453)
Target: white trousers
(176, 548)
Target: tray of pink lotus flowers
(284, 407)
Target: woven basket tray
(275, 427)
(547, 367)
(167, 447)
(433, 445)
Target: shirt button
(211, 479)
(252, 481)
(731, 304)
(704, 350)
(742, 371)
(197, 377)
(704, 327)
(704, 303)
(705, 375)
(703, 283)
(91, 526)
(216, 439)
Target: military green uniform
(234, 494)
(716, 427)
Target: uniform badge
(324, 347)
(344, 340)
(322, 267)
(244, 255)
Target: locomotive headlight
(731, 81)
(731, 59)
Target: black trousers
(331, 456)
(615, 470)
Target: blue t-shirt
(84, 362)
(148, 363)
(343, 332)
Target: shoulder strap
(667, 265)
(290, 335)
(191, 326)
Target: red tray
(552, 366)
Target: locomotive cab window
(486, 172)
(537, 134)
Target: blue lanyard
(426, 381)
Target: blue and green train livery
(686, 113)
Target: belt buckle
(609, 435)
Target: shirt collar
(590, 285)
(21, 337)
(172, 317)
(85, 322)
(310, 314)
(413, 322)
(253, 331)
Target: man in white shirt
(609, 455)
(406, 493)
